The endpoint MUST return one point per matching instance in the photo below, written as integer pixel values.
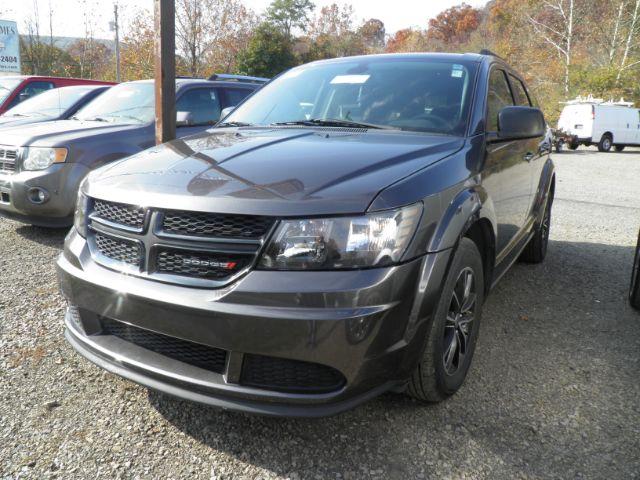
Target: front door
(508, 169)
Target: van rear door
(577, 120)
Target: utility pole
(116, 29)
(165, 69)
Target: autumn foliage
(563, 48)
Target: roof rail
(237, 78)
(486, 51)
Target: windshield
(418, 95)
(7, 86)
(51, 103)
(124, 103)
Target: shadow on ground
(50, 237)
(553, 388)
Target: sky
(68, 15)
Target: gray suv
(42, 165)
(332, 239)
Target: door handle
(528, 156)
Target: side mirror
(184, 119)
(226, 111)
(520, 122)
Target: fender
(547, 180)
(462, 211)
(467, 207)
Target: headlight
(39, 158)
(80, 219)
(373, 240)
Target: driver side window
(31, 89)
(202, 103)
(499, 97)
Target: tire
(441, 371)
(573, 145)
(619, 148)
(536, 249)
(634, 290)
(605, 143)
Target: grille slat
(203, 247)
(199, 264)
(8, 160)
(195, 354)
(127, 215)
(216, 225)
(286, 375)
(118, 249)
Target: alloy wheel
(545, 227)
(459, 323)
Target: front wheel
(453, 333)
(605, 144)
(634, 290)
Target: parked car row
(43, 162)
(18, 88)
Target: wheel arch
(470, 214)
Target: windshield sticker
(352, 79)
(457, 71)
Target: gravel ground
(553, 392)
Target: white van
(593, 122)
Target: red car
(15, 89)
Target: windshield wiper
(18, 115)
(234, 124)
(335, 122)
(95, 119)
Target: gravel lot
(553, 393)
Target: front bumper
(59, 181)
(368, 325)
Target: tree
(136, 51)
(407, 40)
(332, 34)
(373, 34)
(454, 25)
(190, 32)
(211, 30)
(290, 14)
(556, 23)
(634, 25)
(268, 52)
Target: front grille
(201, 356)
(289, 375)
(188, 248)
(216, 225)
(119, 250)
(213, 266)
(8, 160)
(127, 215)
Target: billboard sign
(9, 47)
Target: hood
(280, 172)
(57, 133)
(10, 121)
